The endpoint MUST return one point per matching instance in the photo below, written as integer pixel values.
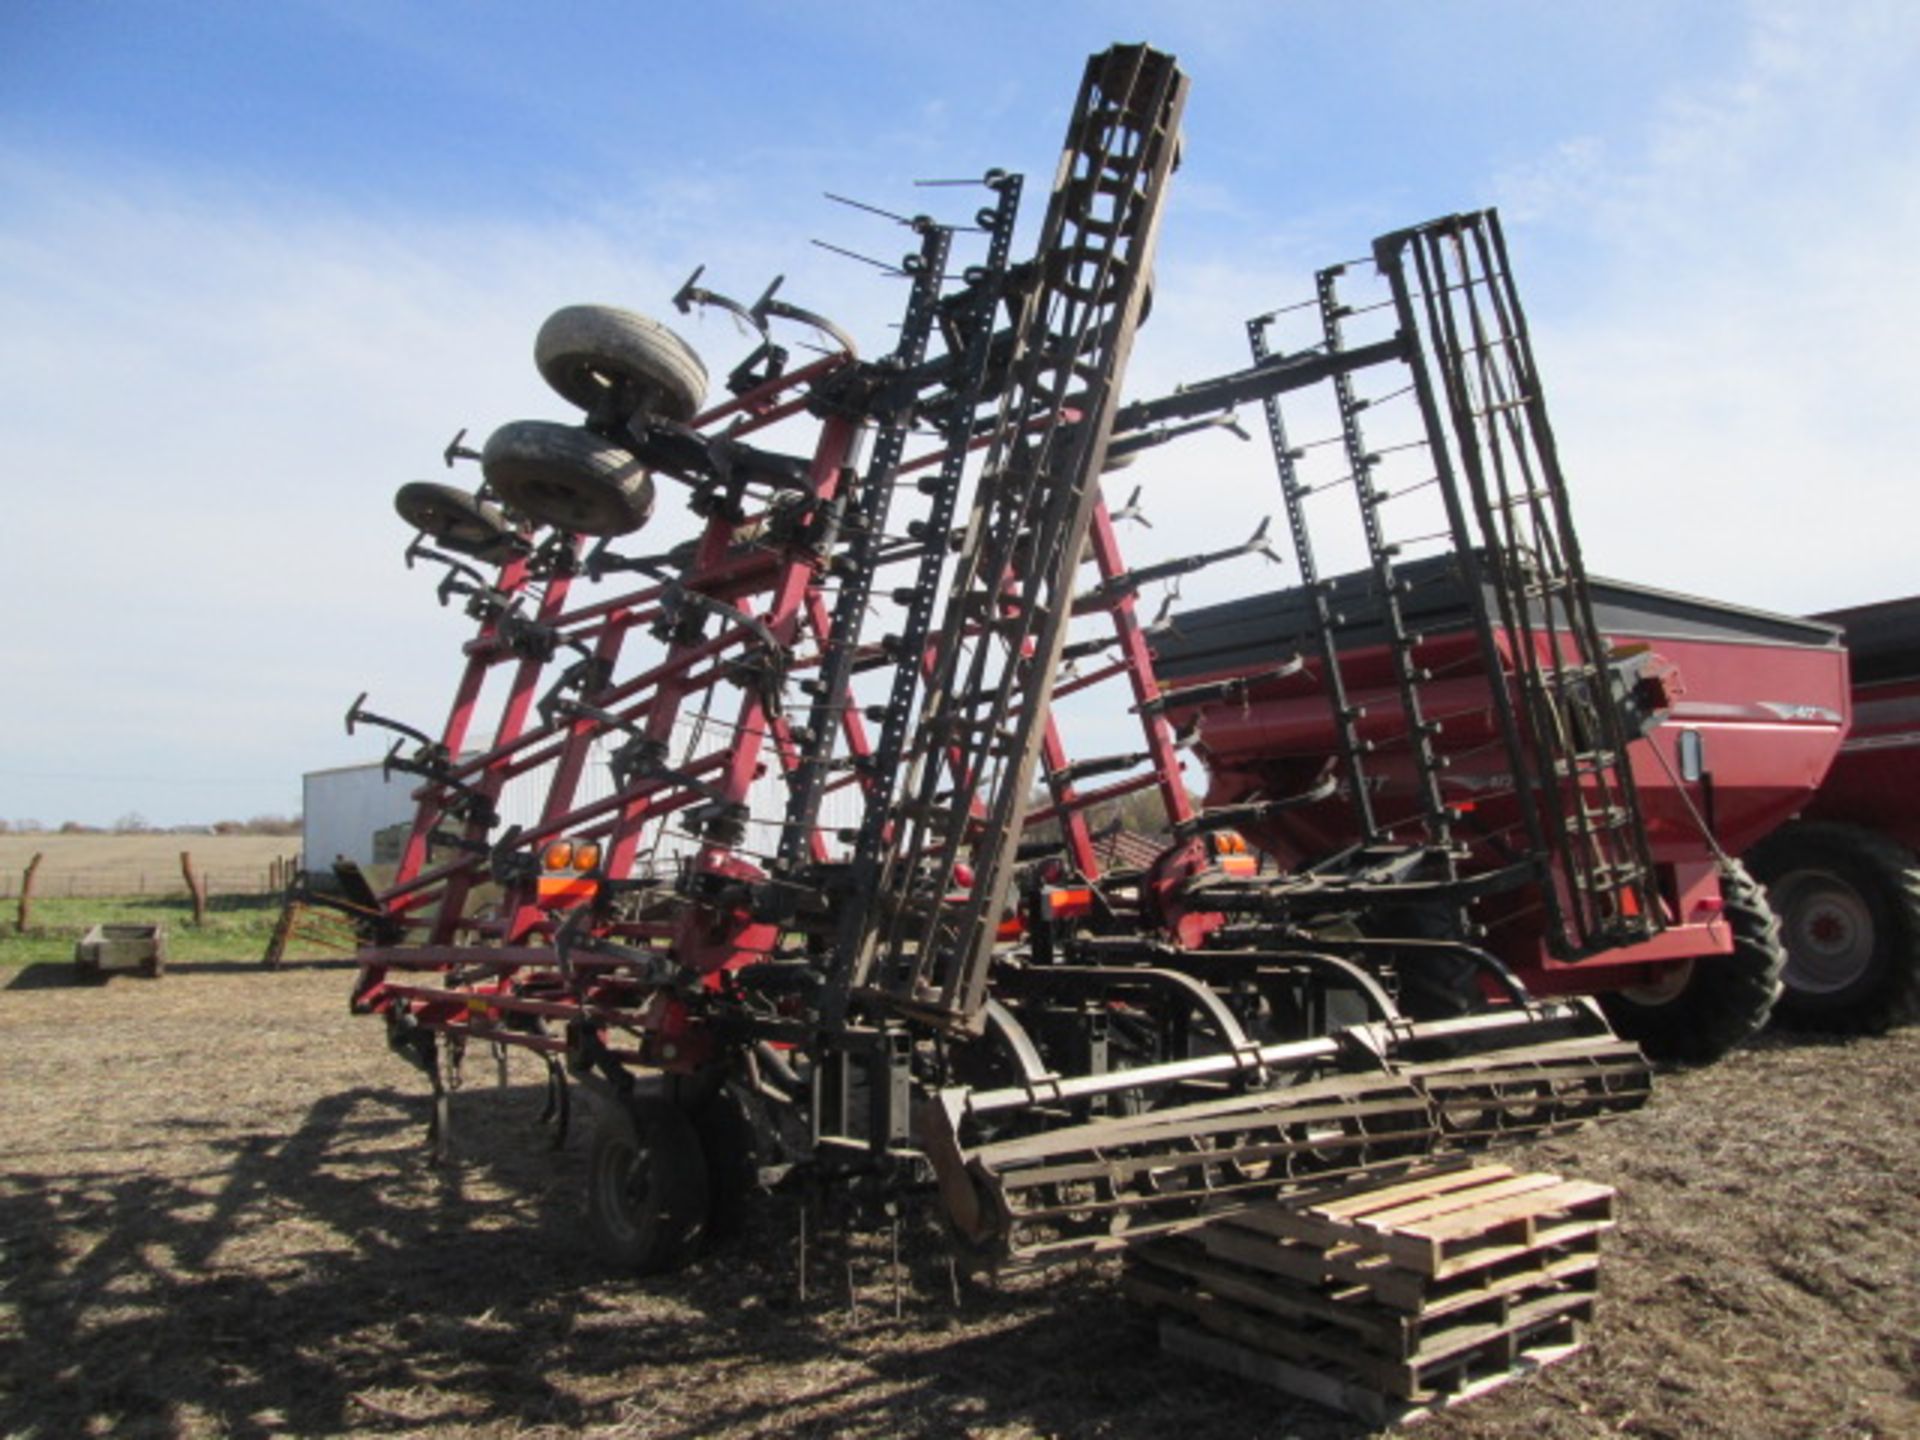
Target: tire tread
(1729, 998)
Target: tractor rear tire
(587, 351)
(1718, 1001)
(455, 520)
(1849, 905)
(567, 477)
(646, 1188)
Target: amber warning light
(567, 875)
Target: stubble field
(217, 1218)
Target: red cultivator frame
(940, 986)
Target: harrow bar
(986, 715)
(1305, 1118)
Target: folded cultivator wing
(773, 839)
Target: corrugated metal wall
(341, 810)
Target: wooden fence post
(26, 894)
(196, 887)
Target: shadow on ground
(331, 1278)
(61, 974)
(51, 975)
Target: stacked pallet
(1389, 1300)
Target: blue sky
(258, 262)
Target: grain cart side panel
(1845, 876)
(1875, 782)
(1758, 707)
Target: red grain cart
(1743, 710)
(1845, 876)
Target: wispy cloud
(214, 386)
(1728, 346)
(215, 392)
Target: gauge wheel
(454, 519)
(567, 477)
(588, 353)
(646, 1188)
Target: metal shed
(342, 808)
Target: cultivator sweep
(777, 845)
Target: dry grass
(237, 928)
(158, 854)
(218, 1219)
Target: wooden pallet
(1388, 1299)
(1333, 1390)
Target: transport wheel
(585, 351)
(1702, 1008)
(455, 519)
(1849, 906)
(567, 477)
(646, 1188)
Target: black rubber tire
(584, 351)
(454, 519)
(646, 1188)
(567, 477)
(1723, 1000)
(1849, 906)
(731, 1146)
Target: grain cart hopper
(1755, 715)
(1845, 876)
(908, 969)
(1437, 657)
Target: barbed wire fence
(157, 882)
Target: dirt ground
(217, 1218)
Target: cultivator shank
(777, 841)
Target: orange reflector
(1241, 865)
(558, 855)
(1078, 901)
(586, 855)
(1630, 902)
(560, 891)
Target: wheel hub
(1829, 930)
(628, 1185)
(1665, 987)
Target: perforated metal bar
(1010, 595)
(864, 523)
(1332, 680)
(1380, 555)
(1580, 806)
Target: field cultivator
(815, 886)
